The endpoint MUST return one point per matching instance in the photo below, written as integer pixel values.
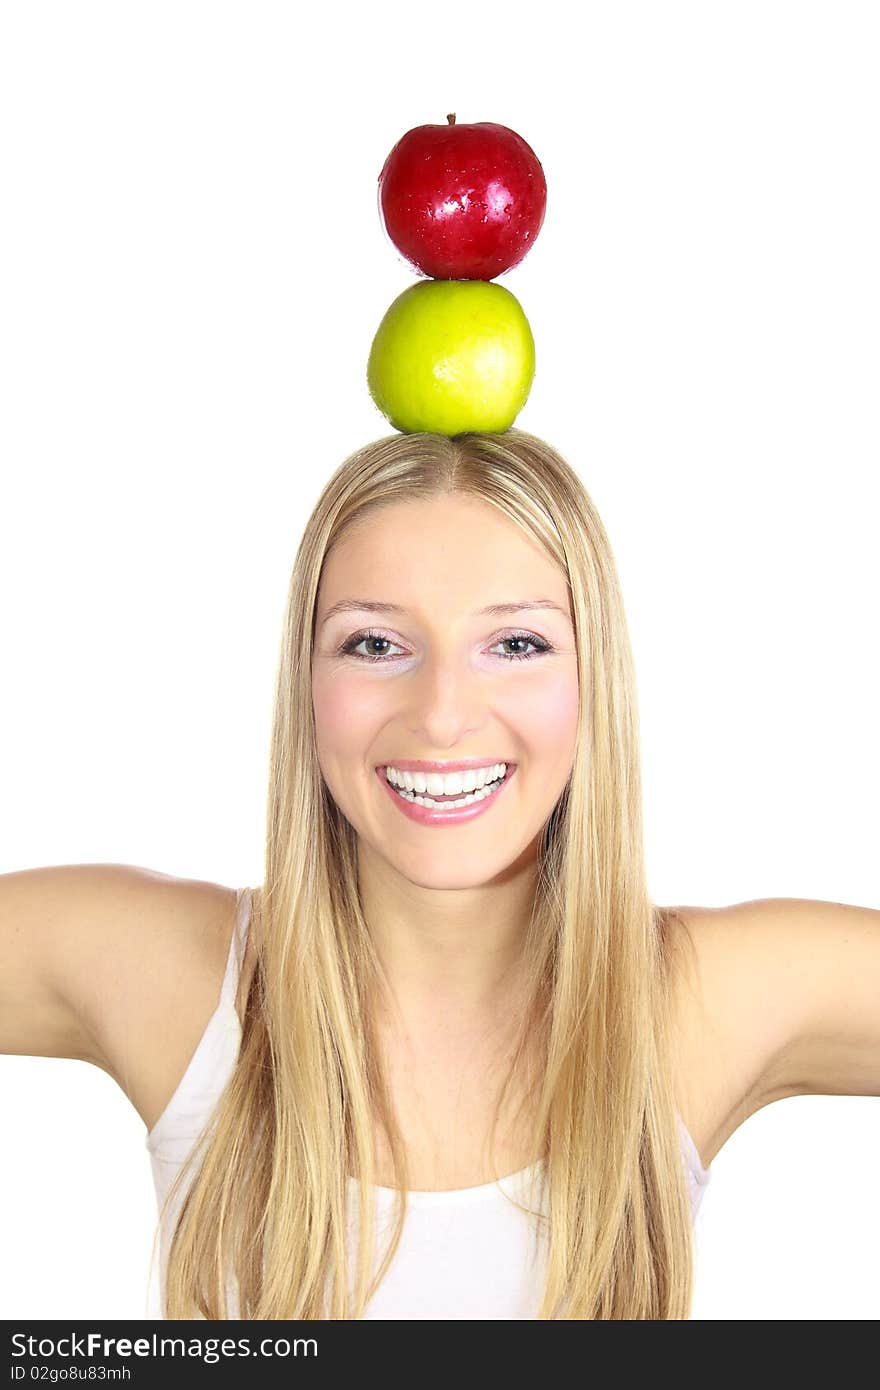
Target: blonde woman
(449, 1059)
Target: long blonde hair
(264, 1218)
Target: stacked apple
(454, 352)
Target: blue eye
(348, 647)
(537, 642)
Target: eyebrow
(359, 605)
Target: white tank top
(468, 1253)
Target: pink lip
(434, 815)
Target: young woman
(461, 1065)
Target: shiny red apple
(462, 202)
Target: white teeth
(479, 795)
(445, 784)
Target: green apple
(452, 356)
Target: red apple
(462, 202)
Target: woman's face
(438, 680)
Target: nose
(448, 702)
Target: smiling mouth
(451, 799)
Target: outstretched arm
(821, 968)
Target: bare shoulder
(112, 964)
(732, 1034)
(159, 983)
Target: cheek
(544, 712)
(332, 712)
(345, 712)
(563, 709)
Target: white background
(192, 269)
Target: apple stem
(451, 118)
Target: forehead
(452, 545)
